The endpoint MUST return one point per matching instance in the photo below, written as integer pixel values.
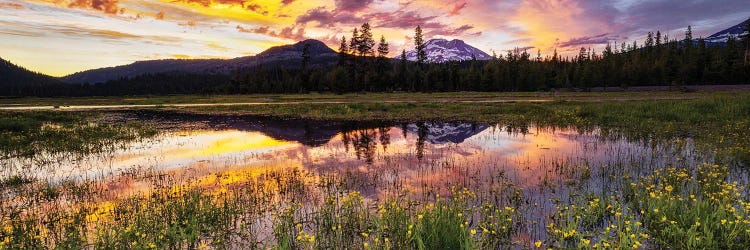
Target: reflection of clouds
(366, 159)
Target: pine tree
(382, 47)
(746, 40)
(419, 46)
(554, 55)
(650, 40)
(538, 55)
(366, 41)
(583, 55)
(343, 48)
(688, 42)
(343, 51)
(607, 50)
(354, 41)
(658, 39)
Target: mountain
(288, 55)
(14, 78)
(441, 133)
(442, 50)
(722, 36)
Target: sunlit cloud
(60, 37)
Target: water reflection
(409, 157)
(377, 159)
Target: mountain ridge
(287, 54)
(723, 36)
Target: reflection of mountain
(307, 132)
(441, 133)
(311, 133)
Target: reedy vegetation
(693, 207)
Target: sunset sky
(59, 37)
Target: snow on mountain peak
(443, 50)
(722, 36)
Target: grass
(697, 206)
(365, 98)
(671, 208)
(30, 133)
(719, 123)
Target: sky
(60, 37)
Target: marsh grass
(717, 123)
(681, 207)
(27, 134)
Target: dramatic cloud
(457, 8)
(106, 6)
(259, 30)
(453, 32)
(95, 33)
(352, 5)
(256, 8)
(588, 40)
(404, 20)
(326, 18)
(291, 32)
(11, 6)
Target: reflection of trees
(364, 144)
(404, 129)
(364, 141)
(346, 140)
(385, 138)
(515, 130)
(421, 137)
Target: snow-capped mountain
(442, 50)
(441, 133)
(722, 36)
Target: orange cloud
(259, 30)
(457, 8)
(106, 6)
(11, 6)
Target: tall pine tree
(365, 41)
(419, 46)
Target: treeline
(657, 61)
(362, 65)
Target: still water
(379, 159)
(373, 156)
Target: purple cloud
(588, 40)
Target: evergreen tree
(365, 42)
(538, 55)
(607, 50)
(402, 69)
(343, 51)
(554, 55)
(688, 42)
(419, 46)
(583, 55)
(382, 47)
(354, 41)
(658, 39)
(746, 41)
(649, 40)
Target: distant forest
(363, 66)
